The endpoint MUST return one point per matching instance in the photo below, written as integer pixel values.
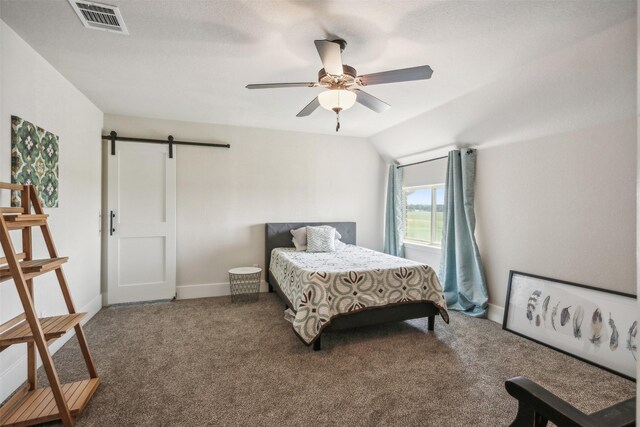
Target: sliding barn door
(141, 223)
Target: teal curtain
(394, 226)
(461, 271)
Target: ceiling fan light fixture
(343, 84)
(337, 99)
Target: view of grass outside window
(424, 213)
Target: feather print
(532, 304)
(613, 342)
(631, 340)
(565, 316)
(537, 320)
(578, 315)
(545, 307)
(554, 313)
(596, 327)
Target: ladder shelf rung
(53, 327)
(38, 406)
(12, 322)
(19, 225)
(25, 217)
(33, 268)
(15, 222)
(30, 404)
(11, 186)
(19, 256)
(5, 210)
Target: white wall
(429, 255)
(556, 150)
(428, 173)
(32, 89)
(561, 206)
(638, 189)
(225, 196)
(568, 89)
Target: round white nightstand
(245, 283)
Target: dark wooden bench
(537, 406)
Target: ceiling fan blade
(403, 75)
(330, 55)
(279, 85)
(310, 108)
(371, 101)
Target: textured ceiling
(190, 60)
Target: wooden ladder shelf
(32, 405)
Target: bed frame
(277, 235)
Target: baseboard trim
(495, 313)
(207, 290)
(16, 374)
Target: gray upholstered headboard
(278, 236)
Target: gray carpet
(212, 362)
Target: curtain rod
(424, 161)
(469, 151)
(113, 137)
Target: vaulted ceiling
(190, 60)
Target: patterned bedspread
(323, 285)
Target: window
(423, 213)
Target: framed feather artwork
(595, 325)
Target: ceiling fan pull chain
(337, 121)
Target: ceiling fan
(344, 84)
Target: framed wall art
(595, 325)
(34, 160)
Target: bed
(350, 288)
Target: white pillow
(300, 237)
(321, 239)
(340, 246)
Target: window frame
(434, 211)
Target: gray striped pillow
(300, 237)
(321, 239)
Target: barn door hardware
(113, 137)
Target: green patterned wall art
(34, 160)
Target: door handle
(111, 229)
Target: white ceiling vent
(99, 16)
